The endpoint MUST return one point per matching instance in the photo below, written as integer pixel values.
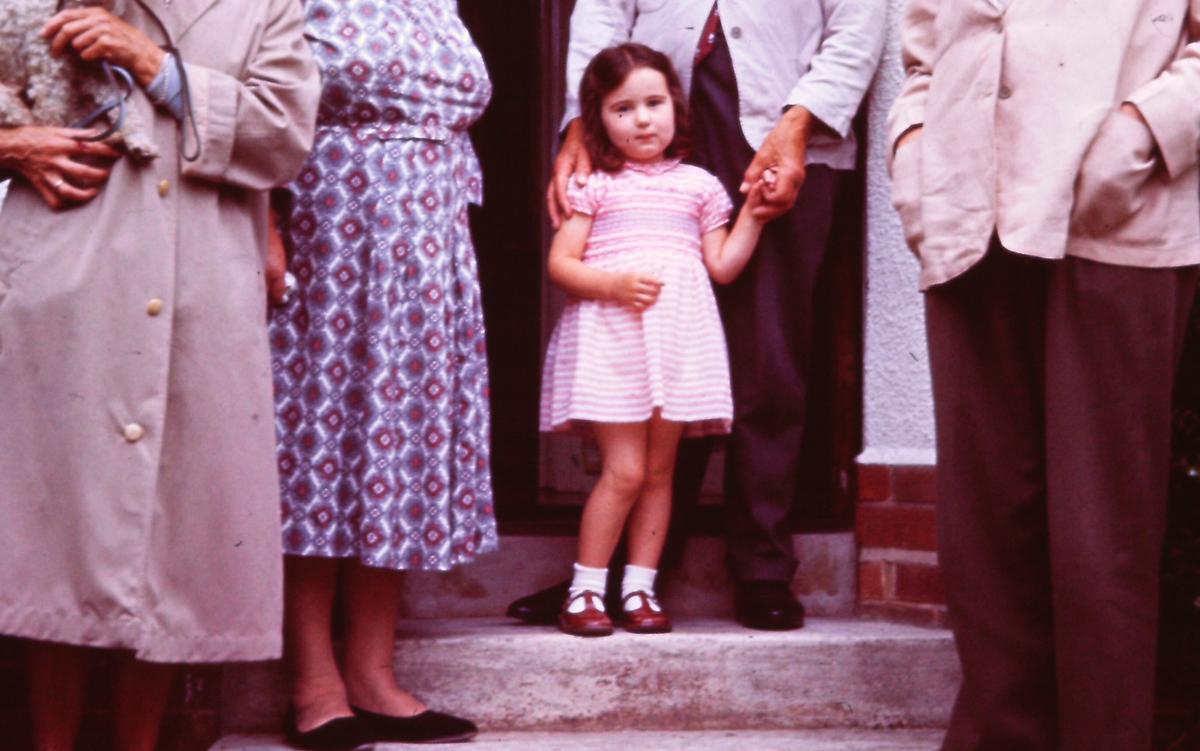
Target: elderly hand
(572, 159)
(909, 135)
(49, 159)
(276, 268)
(783, 151)
(96, 34)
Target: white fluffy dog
(37, 88)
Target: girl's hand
(49, 159)
(638, 291)
(96, 34)
(757, 196)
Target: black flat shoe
(540, 608)
(427, 727)
(339, 734)
(768, 606)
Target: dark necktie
(708, 38)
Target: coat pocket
(1117, 182)
(906, 192)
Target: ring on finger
(58, 183)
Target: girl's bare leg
(623, 450)
(318, 694)
(651, 515)
(57, 684)
(140, 692)
(372, 601)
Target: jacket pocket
(906, 192)
(1119, 191)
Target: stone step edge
(707, 675)
(641, 740)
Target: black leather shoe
(540, 608)
(768, 605)
(339, 734)
(427, 727)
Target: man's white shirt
(818, 54)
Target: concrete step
(716, 740)
(707, 675)
(700, 585)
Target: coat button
(154, 307)
(164, 188)
(134, 432)
(1004, 92)
(736, 32)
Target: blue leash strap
(122, 81)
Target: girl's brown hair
(604, 75)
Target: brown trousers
(1052, 388)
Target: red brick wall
(898, 576)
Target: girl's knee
(626, 478)
(658, 476)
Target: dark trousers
(1052, 389)
(768, 318)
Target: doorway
(541, 481)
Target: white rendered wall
(897, 404)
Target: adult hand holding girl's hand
(756, 198)
(49, 159)
(638, 291)
(783, 152)
(96, 34)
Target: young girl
(639, 354)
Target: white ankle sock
(638, 578)
(588, 578)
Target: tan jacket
(138, 489)
(1022, 137)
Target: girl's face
(639, 116)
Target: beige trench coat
(1022, 134)
(138, 493)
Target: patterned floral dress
(380, 363)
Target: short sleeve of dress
(716, 208)
(585, 199)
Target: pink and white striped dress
(609, 363)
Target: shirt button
(134, 432)
(1004, 92)
(736, 32)
(164, 188)
(154, 306)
